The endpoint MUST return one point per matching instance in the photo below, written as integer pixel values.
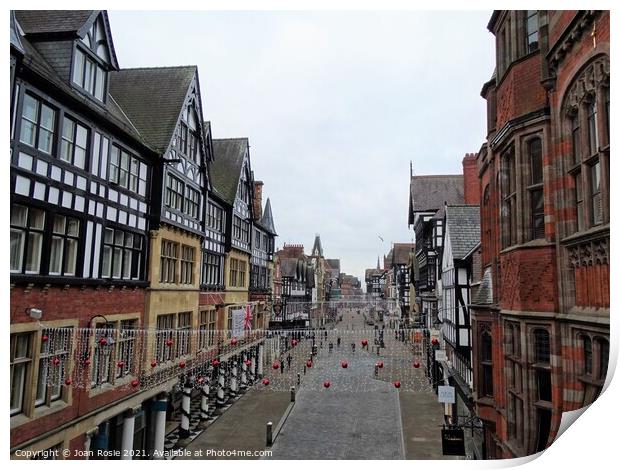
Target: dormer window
(90, 60)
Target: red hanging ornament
(265, 381)
(247, 362)
(200, 380)
(55, 361)
(87, 361)
(68, 381)
(308, 364)
(153, 363)
(416, 365)
(44, 338)
(120, 364)
(215, 363)
(182, 364)
(434, 341)
(344, 364)
(327, 384)
(379, 364)
(103, 341)
(276, 365)
(364, 342)
(233, 341)
(169, 342)
(135, 383)
(294, 342)
(397, 384)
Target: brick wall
(471, 183)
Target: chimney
(471, 182)
(258, 200)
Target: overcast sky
(335, 105)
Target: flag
(247, 319)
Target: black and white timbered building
(262, 251)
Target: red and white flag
(247, 320)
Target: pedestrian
(338, 341)
(288, 360)
(281, 367)
(331, 347)
(352, 347)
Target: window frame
(37, 124)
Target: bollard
(269, 434)
(292, 394)
(298, 378)
(304, 370)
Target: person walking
(288, 360)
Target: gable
(95, 35)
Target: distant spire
(317, 249)
(378, 266)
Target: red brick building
(541, 314)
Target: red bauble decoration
(379, 364)
(200, 380)
(265, 381)
(215, 363)
(55, 361)
(397, 384)
(364, 342)
(68, 381)
(168, 342)
(276, 365)
(308, 364)
(247, 362)
(44, 338)
(434, 341)
(153, 363)
(344, 364)
(294, 342)
(233, 341)
(103, 341)
(327, 384)
(87, 361)
(120, 364)
(182, 364)
(416, 364)
(135, 383)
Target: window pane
(106, 261)
(535, 149)
(100, 84)
(37, 218)
(19, 215)
(56, 255)
(47, 117)
(31, 108)
(33, 256)
(116, 268)
(78, 67)
(59, 224)
(70, 256)
(17, 249)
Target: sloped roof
(484, 296)
(317, 245)
(52, 21)
(16, 38)
(401, 252)
(226, 166)
(153, 98)
(463, 224)
(266, 221)
(428, 193)
(333, 263)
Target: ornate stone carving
(585, 86)
(588, 252)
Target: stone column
(185, 411)
(259, 370)
(89, 435)
(244, 371)
(221, 381)
(234, 383)
(204, 402)
(160, 405)
(129, 422)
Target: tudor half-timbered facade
(81, 179)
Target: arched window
(587, 354)
(537, 207)
(603, 357)
(542, 351)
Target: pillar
(89, 435)
(159, 407)
(129, 422)
(204, 401)
(244, 371)
(221, 381)
(234, 382)
(252, 368)
(259, 370)
(185, 411)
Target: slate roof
(152, 98)
(266, 221)
(16, 39)
(485, 290)
(226, 166)
(334, 263)
(463, 224)
(401, 252)
(52, 21)
(317, 245)
(428, 193)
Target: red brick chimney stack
(471, 182)
(258, 200)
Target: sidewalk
(242, 426)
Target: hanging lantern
(308, 364)
(416, 365)
(120, 364)
(379, 364)
(233, 341)
(135, 383)
(68, 381)
(103, 341)
(265, 381)
(344, 364)
(276, 365)
(327, 384)
(153, 363)
(169, 342)
(397, 383)
(182, 364)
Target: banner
(238, 316)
